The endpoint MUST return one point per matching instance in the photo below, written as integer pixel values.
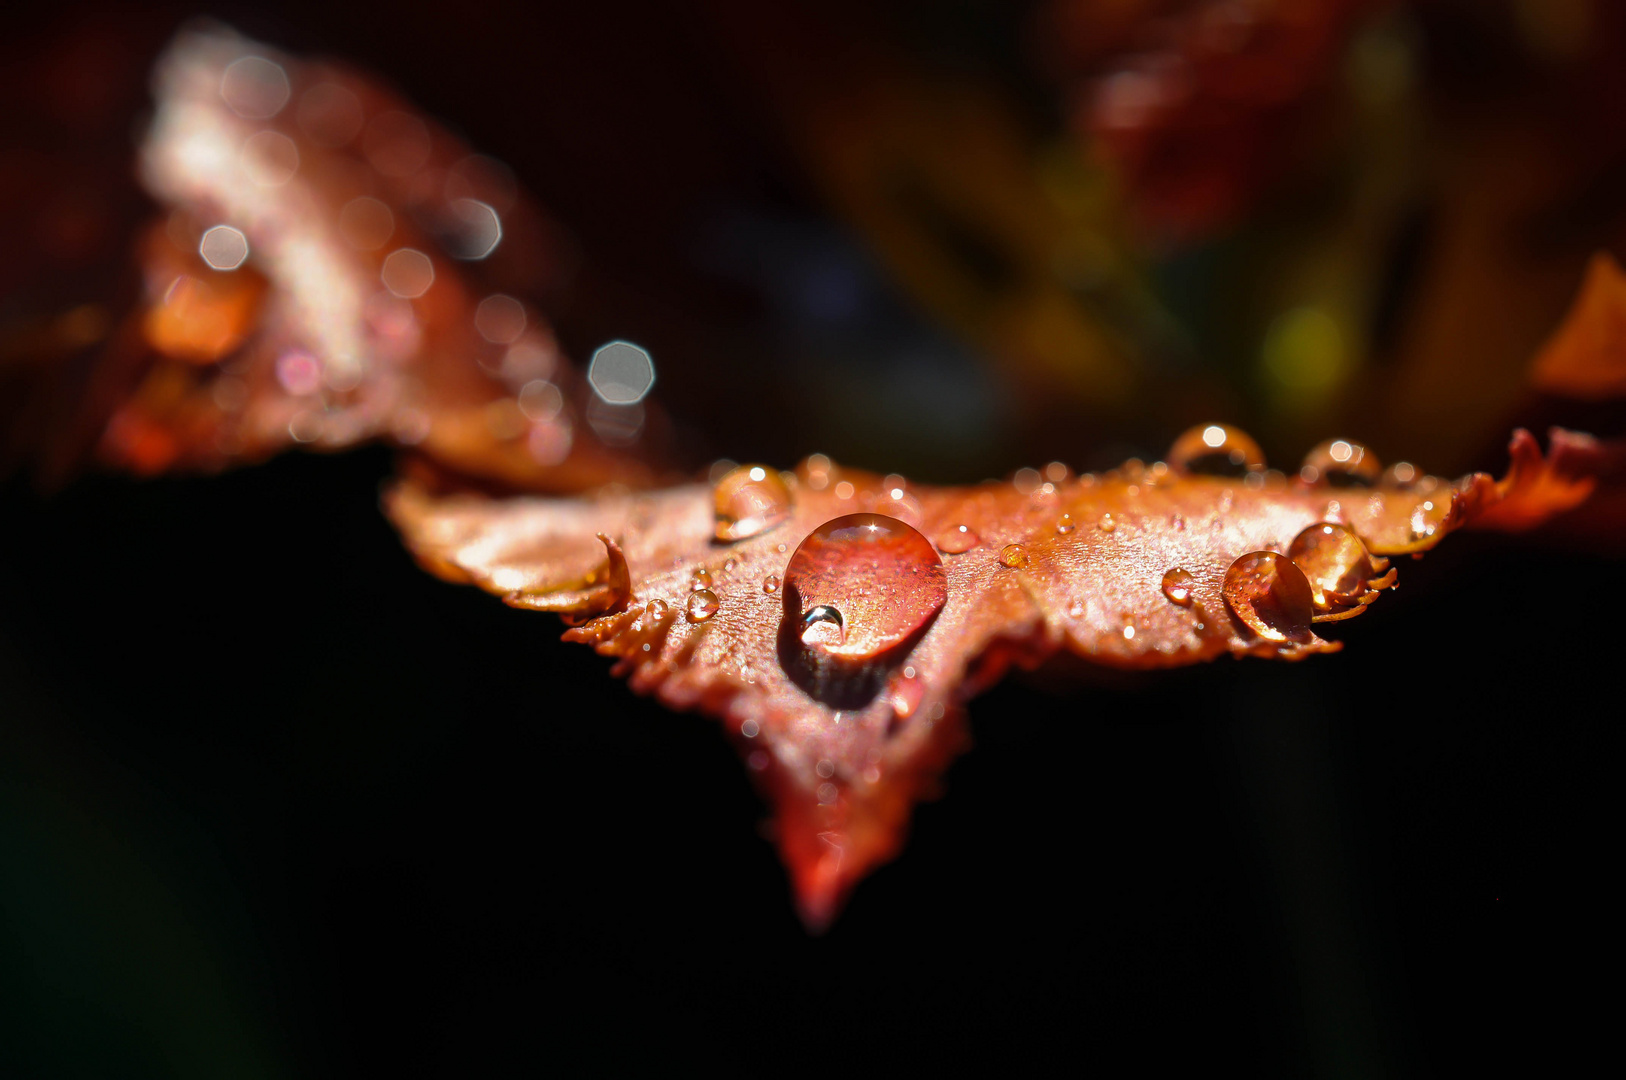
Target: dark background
(273, 801)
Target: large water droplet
(878, 577)
(702, 605)
(958, 539)
(1341, 463)
(1216, 450)
(1270, 596)
(1334, 562)
(1178, 584)
(1013, 556)
(749, 500)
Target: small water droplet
(824, 626)
(1334, 562)
(1270, 596)
(702, 605)
(770, 584)
(1178, 584)
(957, 540)
(656, 609)
(1106, 524)
(700, 580)
(749, 500)
(1341, 463)
(1013, 556)
(1064, 524)
(1215, 450)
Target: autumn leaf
(837, 621)
(334, 269)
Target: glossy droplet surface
(770, 584)
(1341, 463)
(1270, 596)
(748, 501)
(656, 609)
(1064, 524)
(702, 605)
(1013, 556)
(1178, 584)
(1216, 450)
(1334, 562)
(700, 580)
(862, 584)
(956, 540)
(1106, 524)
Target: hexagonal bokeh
(621, 373)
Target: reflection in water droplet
(1334, 562)
(959, 539)
(656, 609)
(1064, 524)
(823, 625)
(1270, 596)
(1341, 463)
(1106, 524)
(1216, 450)
(902, 579)
(1178, 584)
(702, 605)
(749, 500)
(1013, 556)
(770, 584)
(701, 579)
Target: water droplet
(1428, 517)
(959, 539)
(1013, 556)
(903, 579)
(1064, 524)
(749, 500)
(656, 609)
(702, 605)
(1335, 563)
(1341, 463)
(1216, 450)
(770, 584)
(700, 580)
(1270, 596)
(1400, 474)
(1106, 524)
(1178, 584)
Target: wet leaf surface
(839, 647)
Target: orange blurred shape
(200, 320)
(1586, 356)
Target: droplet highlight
(748, 501)
(1065, 524)
(770, 584)
(1270, 596)
(1013, 556)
